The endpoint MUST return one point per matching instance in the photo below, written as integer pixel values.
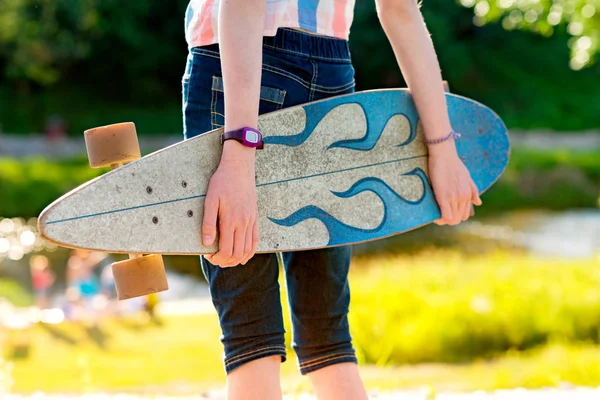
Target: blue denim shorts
(297, 68)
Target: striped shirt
(323, 17)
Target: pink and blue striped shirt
(323, 17)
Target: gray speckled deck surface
(342, 170)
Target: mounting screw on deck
(184, 184)
(155, 220)
(190, 213)
(149, 190)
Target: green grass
(28, 186)
(550, 365)
(545, 160)
(117, 355)
(12, 291)
(443, 306)
(437, 318)
(546, 179)
(184, 355)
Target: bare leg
(338, 381)
(256, 380)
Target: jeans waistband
(312, 46)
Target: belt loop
(283, 40)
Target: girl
(248, 57)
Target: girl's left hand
(453, 187)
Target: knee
(322, 338)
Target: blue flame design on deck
(378, 110)
(399, 213)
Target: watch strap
(238, 135)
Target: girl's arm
(404, 26)
(231, 197)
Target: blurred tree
(43, 41)
(41, 38)
(522, 75)
(453, 34)
(94, 62)
(543, 16)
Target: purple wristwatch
(247, 136)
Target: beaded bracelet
(452, 135)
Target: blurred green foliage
(542, 16)
(440, 306)
(91, 62)
(101, 41)
(29, 186)
(533, 179)
(96, 62)
(558, 179)
(523, 76)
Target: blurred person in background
(248, 57)
(42, 279)
(108, 290)
(83, 286)
(55, 128)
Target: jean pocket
(271, 99)
(333, 79)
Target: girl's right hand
(231, 201)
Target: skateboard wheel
(140, 276)
(112, 144)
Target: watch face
(251, 137)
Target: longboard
(339, 171)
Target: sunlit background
(510, 299)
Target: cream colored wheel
(140, 276)
(112, 145)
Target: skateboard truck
(114, 145)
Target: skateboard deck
(339, 171)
